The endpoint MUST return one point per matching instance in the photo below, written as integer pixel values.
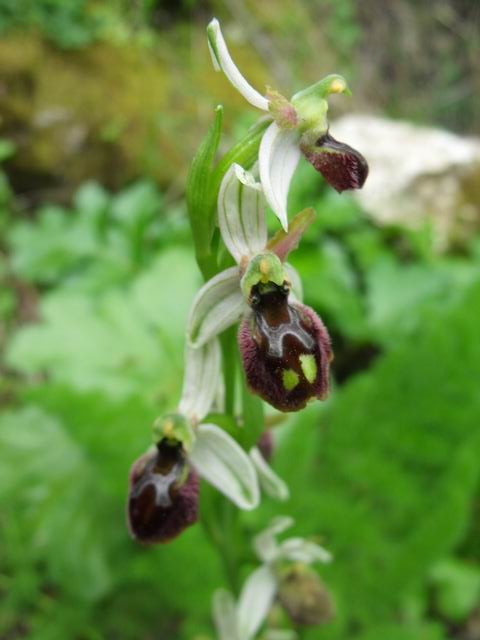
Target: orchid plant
(217, 433)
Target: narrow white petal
(278, 158)
(222, 60)
(265, 543)
(241, 215)
(272, 484)
(296, 291)
(218, 305)
(255, 601)
(300, 550)
(225, 615)
(201, 380)
(221, 461)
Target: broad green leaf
(122, 342)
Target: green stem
(229, 352)
(220, 518)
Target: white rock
(416, 174)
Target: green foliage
(391, 470)
(456, 588)
(67, 23)
(71, 570)
(385, 473)
(103, 241)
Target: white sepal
(255, 601)
(223, 463)
(222, 61)
(278, 158)
(218, 305)
(300, 550)
(272, 484)
(201, 380)
(265, 543)
(225, 615)
(241, 216)
(296, 291)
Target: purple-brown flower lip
(342, 166)
(285, 349)
(163, 495)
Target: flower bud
(304, 597)
(285, 349)
(266, 445)
(163, 494)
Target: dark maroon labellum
(342, 166)
(163, 495)
(285, 350)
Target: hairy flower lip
(342, 166)
(279, 377)
(163, 495)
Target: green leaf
(199, 199)
(399, 295)
(456, 586)
(51, 491)
(404, 632)
(121, 341)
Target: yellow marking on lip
(309, 366)
(290, 379)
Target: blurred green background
(102, 105)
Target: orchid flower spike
(163, 488)
(284, 345)
(299, 126)
(244, 619)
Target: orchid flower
(284, 345)
(163, 496)
(299, 126)
(164, 483)
(243, 620)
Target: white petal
(296, 291)
(201, 380)
(272, 484)
(221, 461)
(222, 61)
(265, 544)
(225, 615)
(278, 158)
(255, 601)
(300, 550)
(218, 305)
(241, 216)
